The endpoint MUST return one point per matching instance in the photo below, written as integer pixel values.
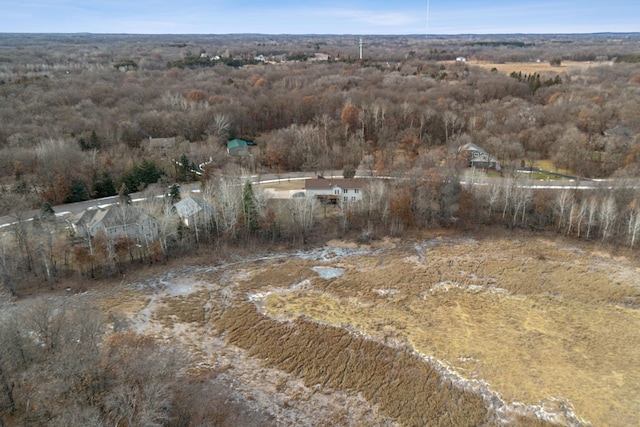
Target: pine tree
(47, 211)
(174, 193)
(78, 191)
(249, 207)
(123, 194)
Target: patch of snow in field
(261, 296)
(302, 285)
(434, 243)
(181, 288)
(331, 253)
(383, 292)
(571, 249)
(329, 272)
(448, 284)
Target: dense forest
(93, 102)
(87, 116)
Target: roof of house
(190, 206)
(111, 217)
(236, 143)
(619, 130)
(162, 142)
(330, 183)
(481, 156)
(471, 147)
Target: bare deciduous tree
(607, 215)
(562, 203)
(303, 214)
(633, 222)
(226, 195)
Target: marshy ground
(437, 330)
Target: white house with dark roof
(335, 190)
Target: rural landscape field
(258, 230)
(524, 330)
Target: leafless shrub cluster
(59, 366)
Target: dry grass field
(542, 68)
(440, 330)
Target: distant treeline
(193, 61)
(630, 59)
(512, 43)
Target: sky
(319, 17)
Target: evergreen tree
(47, 211)
(249, 207)
(349, 171)
(79, 191)
(147, 172)
(123, 194)
(91, 143)
(174, 193)
(103, 186)
(185, 168)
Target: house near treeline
(193, 210)
(116, 221)
(162, 143)
(335, 190)
(238, 148)
(620, 130)
(477, 157)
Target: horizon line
(327, 34)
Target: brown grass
(284, 185)
(558, 325)
(541, 321)
(405, 387)
(535, 67)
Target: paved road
(75, 208)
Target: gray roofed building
(117, 221)
(238, 147)
(162, 143)
(619, 131)
(192, 209)
(477, 157)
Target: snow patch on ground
(385, 292)
(261, 296)
(328, 272)
(331, 253)
(448, 285)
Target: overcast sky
(319, 17)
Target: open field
(537, 67)
(440, 330)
